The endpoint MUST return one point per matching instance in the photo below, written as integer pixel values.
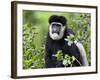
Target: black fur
(52, 46)
(60, 19)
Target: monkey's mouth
(56, 35)
(57, 32)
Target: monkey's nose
(55, 29)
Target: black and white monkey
(58, 31)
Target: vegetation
(66, 60)
(35, 28)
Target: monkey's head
(57, 27)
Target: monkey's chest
(60, 47)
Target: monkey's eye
(57, 25)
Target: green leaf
(59, 55)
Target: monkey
(58, 30)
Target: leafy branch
(66, 60)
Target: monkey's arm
(50, 61)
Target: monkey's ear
(52, 19)
(63, 20)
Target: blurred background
(35, 29)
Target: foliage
(33, 57)
(66, 60)
(70, 39)
(35, 28)
(59, 55)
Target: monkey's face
(56, 30)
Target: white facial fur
(55, 36)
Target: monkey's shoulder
(68, 31)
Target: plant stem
(78, 61)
